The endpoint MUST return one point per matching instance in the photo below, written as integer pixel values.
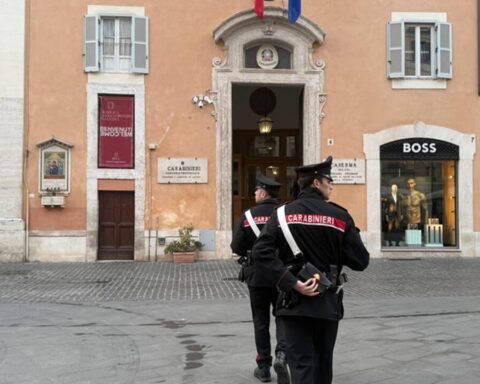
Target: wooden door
(116, 225)
(275, 155)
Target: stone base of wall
(57, 247)
(469, 247)
(477, 244)
(12, 240)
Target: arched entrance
(240, 33)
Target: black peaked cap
(266, 183)
(321, 169)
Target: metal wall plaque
(176, 170)
(348, 171)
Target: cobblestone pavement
(407, 322)
(210, 280)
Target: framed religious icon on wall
(267, 56)
(54, 166)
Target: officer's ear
(316, 183)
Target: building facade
(12, 51)
(143, 118)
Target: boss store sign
(419, 149)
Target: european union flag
(294, 10)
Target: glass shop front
(418, 181)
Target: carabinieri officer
(324, 235)
(263, 293)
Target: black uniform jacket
(326, 234)
(244, 237)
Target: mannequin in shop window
(415, 205)
(392, 216)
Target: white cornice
(276, 15)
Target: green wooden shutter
(444, 50)
(140, 44)
(395, 50)
(91, 44)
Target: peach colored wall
(115, 185)
(180, 67)
(56, 104)
(360, 98)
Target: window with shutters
(116, 44)
(419, 49)
(419, 46)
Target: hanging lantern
(265, 125)
(262, 102)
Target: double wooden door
(275, 156)
(116, 225)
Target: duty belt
(326, 281)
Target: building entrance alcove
(274, 154)
(251, 49)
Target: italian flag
(259, 8)
(294, 10)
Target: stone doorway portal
(239, 34)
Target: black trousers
(310, 344)
(262, 300)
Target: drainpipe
(26, 126)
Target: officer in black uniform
(327, 238)
(263, 292)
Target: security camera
(195, 99)
(207, 99)
(200, 104)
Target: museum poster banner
(115, 136)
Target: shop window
(419, 50)
(418, 194)
(116, 44)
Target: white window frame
(116, 55)
(433, 46)
(420, 82)
(139, 58)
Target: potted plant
(185, 249)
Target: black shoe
(280, 367)
(262, 374)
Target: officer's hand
(308, 288)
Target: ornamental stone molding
(94, 89)
(466, 143)
(273, 18)
(242, 30)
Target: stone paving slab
(211, 342)
(125, 323)
(211, 280)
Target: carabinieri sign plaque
(175, 170)
(348, 171)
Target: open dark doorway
(275, 154)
